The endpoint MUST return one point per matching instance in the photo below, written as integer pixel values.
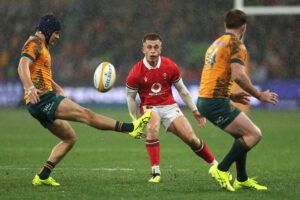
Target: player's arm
(240, 97)
(188, 100)
(241, 78)
(57, 88)
(131, 103)
(25, 76)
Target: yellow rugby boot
(49, 181)
(139, 124)
(251, 183)
(155, 178)
(223, 178)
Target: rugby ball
(104, 77)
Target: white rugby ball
(104, 77)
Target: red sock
(204, 152)
(153, 150)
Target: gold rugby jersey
(41, 70)
(216, 74)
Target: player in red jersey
(152, 78)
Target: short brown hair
(235, 18)
(151, 36)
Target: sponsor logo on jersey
(155, 89)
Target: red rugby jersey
(154, 83)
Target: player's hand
(240, 97)
(33, 94)
(201, 119)
(269, 97)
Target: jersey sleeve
(32, 49)
(132, 79)
(175, 73)
(238, 52)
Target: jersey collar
(149, 66)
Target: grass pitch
(109, 165)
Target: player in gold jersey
(224, 63)
(46, 102)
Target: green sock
(241, 168)
(237, 150)
(124, 127)
(46, 170)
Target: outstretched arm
(131, 103)
(240, 77)
(188, 100)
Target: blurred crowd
(112, 30)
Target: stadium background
(94, 31)
(106, 165)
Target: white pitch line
(82, 169)
(2, 168)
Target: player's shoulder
(33, 42)
(234, 41)
(168, 61)
(136, 68)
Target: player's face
(54, 37)
(152, 50)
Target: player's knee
(71, 139)
(152, 129)
(258, 134)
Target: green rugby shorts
(219, 111)
(44, 111)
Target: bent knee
(257, 134)
(70, 140)
(152, 131)
(152, 128)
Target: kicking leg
(69, 110)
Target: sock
(153, 150)
(46, 170)
(241, 168)
(238, 149)
(155, 170)
(124, 127)
(204, 152)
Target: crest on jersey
(145, 79)
(165, 76)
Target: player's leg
(69, 110)
(182, 128)
(220, 113)
(247, 135)
(66, 134)
(152, 146)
